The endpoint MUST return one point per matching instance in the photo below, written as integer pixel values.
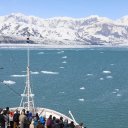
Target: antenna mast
(27, 100)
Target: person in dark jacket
(2, 120)
(16, 119)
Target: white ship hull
(47, 112)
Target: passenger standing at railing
(32, 124)
(16, 119)
(71, 125)
(66, 125)
(39, 125)
(36, 119)
(6, 118)
(79, 126)
(61, 124)
(49, 122)
(11, 114)
(22, 119)
(2, 120)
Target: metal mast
(27, 100)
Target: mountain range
(92, 30)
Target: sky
(113, 9)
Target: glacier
(63, 31)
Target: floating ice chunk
(118, 94)
(60, 52)
(61, 67)
(62, 92)
(40, 53)
(9, 82)
(109, 77)
(18, 75)
(107, 72)
(89, 74)
(101, 78)
(114, 92)
(101, 52)
(112, 64)
(49, 72)
(64, 62)
(117, 89)
(81, 99)
(64, 57)
(82, 88)
(34, 73)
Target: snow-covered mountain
(93, 30)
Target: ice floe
(118, 94)
(107, 72)
(81, 99)
(40, 53)
(49, 72)
(89, 74)
(82, 88)
(112, 64)
(101, 78)
(62, 92)
(109, 77)
(60, 52)
(9, 82)
(64, 62)
(61, 67)
(114, 92)
(34, 73)
(64, 57)
(18, 75)
(116, 89)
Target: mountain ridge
(92, 30)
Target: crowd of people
(25, 119)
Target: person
(22, 119)
(53, 121)
(39, 125)
(42, 120)
(32, 124)
(57, 125)
(11, 114)
(30, 116)
(36, 119)
(79, 126)
(27, 121)
(7, 110)
(16, 119)
(6, 118)
(61, 122)
(2, 120)
(71, 125)
(66, 125)
(49, 122)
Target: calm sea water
(92, 83)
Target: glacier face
(92, 30)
